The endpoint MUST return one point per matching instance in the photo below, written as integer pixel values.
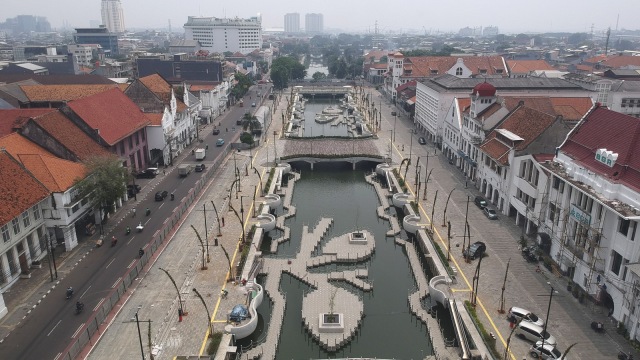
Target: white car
(525, 315)
(546, 352)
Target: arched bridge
(329, 150)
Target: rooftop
(19, 190)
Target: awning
(409, 102)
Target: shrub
(486, 337)
(214, 344)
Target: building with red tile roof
(115, 122)
(524, 68)
(54, 96)
(594, 191)
(11, 120)
(22, 228)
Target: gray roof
(184, 43)
(451, 83)
(15, 91)
(5, 105)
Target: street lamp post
(217, 218)
(444, 214)
(411, 143)
(139, 333)
(395, 120)
(206, 229)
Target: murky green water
(388, 330)
(314, 129)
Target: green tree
(105, 182)
(242, 85)
(279, 76)
(246, 138)
(318, 75)
(250, 122)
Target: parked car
(518, 313)
(393, 113)
(161, 195)
(534, 333)
(253, 104)
(474, 251)
(134, 188)
(546, 352)
(422, 140)
(220, 142)
(199, 167)
(149, 173)
(480, 202)
(216, 131)
(490, 213)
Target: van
(534, 333)
(184, 170)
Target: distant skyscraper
(113, 16)
(314, 23)
(292, 23)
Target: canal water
(388, 330)
(314, 129)
(316, 66)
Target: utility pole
(504, 284)
(466, 224)
(448, 240)
(476, 281)
(433, 208)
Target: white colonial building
(591, 211)
(223, 34)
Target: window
(25, 219)
(458, 71)
(5, 233)
(36, 212)
(554, 214)
(616, 262)
(16, 226)
(623, 226)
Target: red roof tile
(527, 66)
(155, 118)
(112, 113)
(12, 119)
(19, 190)
(58, 175)
(42, 93)
(158, 85)
(70, 136)
(16, 145)
(603, 128)
(496, 150)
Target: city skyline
(566, 16)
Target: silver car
(490, 213)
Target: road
(53, 323)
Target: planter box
(331, 323)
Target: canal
(388, 330)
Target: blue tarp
(239, 313)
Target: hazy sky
(355, 15)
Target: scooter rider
(79, 306)
(69, 292)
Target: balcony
(475, 140)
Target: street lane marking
(147, 221)
(110, 262)
(99, 304)
(59, 321)
(130, 240)
(57, 356)
(77, 331)
(131, 264)
(85, 292)
(116, 283)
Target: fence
(106, 305)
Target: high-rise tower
(113, 16)
(292, 23)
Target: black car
(199, 167)
(422, 140)
(480, 202)
(149, 173)
(161, 195)
(476, 250)
(216, 131)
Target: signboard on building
(580, 216)
(606, 157)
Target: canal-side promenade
(182, 256)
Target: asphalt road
(53, 323)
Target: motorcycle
(140, 253)
(128, 231)
(597, 327)
(69, 293)
(140, 227)
(114, 241)
(79, 307)
(624, 356)
(148, 212)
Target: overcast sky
(355, 15)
